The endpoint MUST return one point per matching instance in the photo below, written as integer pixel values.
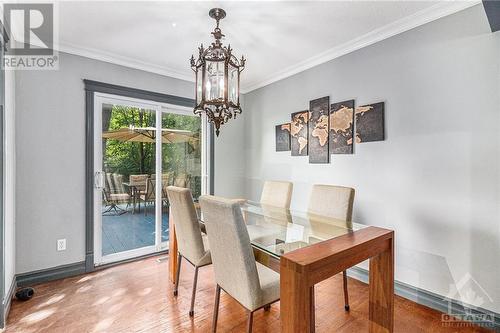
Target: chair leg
(250, 322)
(179, 258)
(346, 295)
(216, 309)
(193, 296)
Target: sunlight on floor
(37, 316)
(144, 292)
(84, 289)
(85, 278)
(103, 324)
(101, 301)
(52, 300)
(119, 292)
(117, 307)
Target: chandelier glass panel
(217, 73)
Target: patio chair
(181, 180)
(114, 194)
(165, 179)
(148, 196)
(137, 184)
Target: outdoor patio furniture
(114, 194)
(181, 180)
(137, 186)
(165, 182)
(138, 181)
(148, 196)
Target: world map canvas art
(370, 122)
(318, 130)
(283, 137)
(299, 133)
(341, 127)
(327, 129)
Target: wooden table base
(301, 270)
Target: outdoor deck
(131, 231)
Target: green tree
(128, 158)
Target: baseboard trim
(89, 263)
(65, 271)
(6, 302)
(429, 299)
(125, 261)
(50, 274)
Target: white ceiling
(277, 38)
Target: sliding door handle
(99, 180)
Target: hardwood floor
(137, 297)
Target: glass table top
(277, 231)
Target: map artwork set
(327, 129)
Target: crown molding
(439, 10)
(116, 59)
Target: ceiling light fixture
(217, 73)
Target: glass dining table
(310, 248)
(276, 231)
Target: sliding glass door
(181, 152)
(140, 148)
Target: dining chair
(277, 193)
(335, 202)
(192, 246)
(250, 283)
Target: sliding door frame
(100, 100)
(91, 89)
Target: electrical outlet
(61, 244)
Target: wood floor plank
(138, 297)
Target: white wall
(435, 180)
(10, 180)
(50, 138)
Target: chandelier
(217, 73)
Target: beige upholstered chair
(336, 202)
(253, 285)
(191, 245)
(277, 193)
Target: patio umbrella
(148, 135)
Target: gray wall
(50, 138)
(435, 180)
(230, 157)
(9, 181)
